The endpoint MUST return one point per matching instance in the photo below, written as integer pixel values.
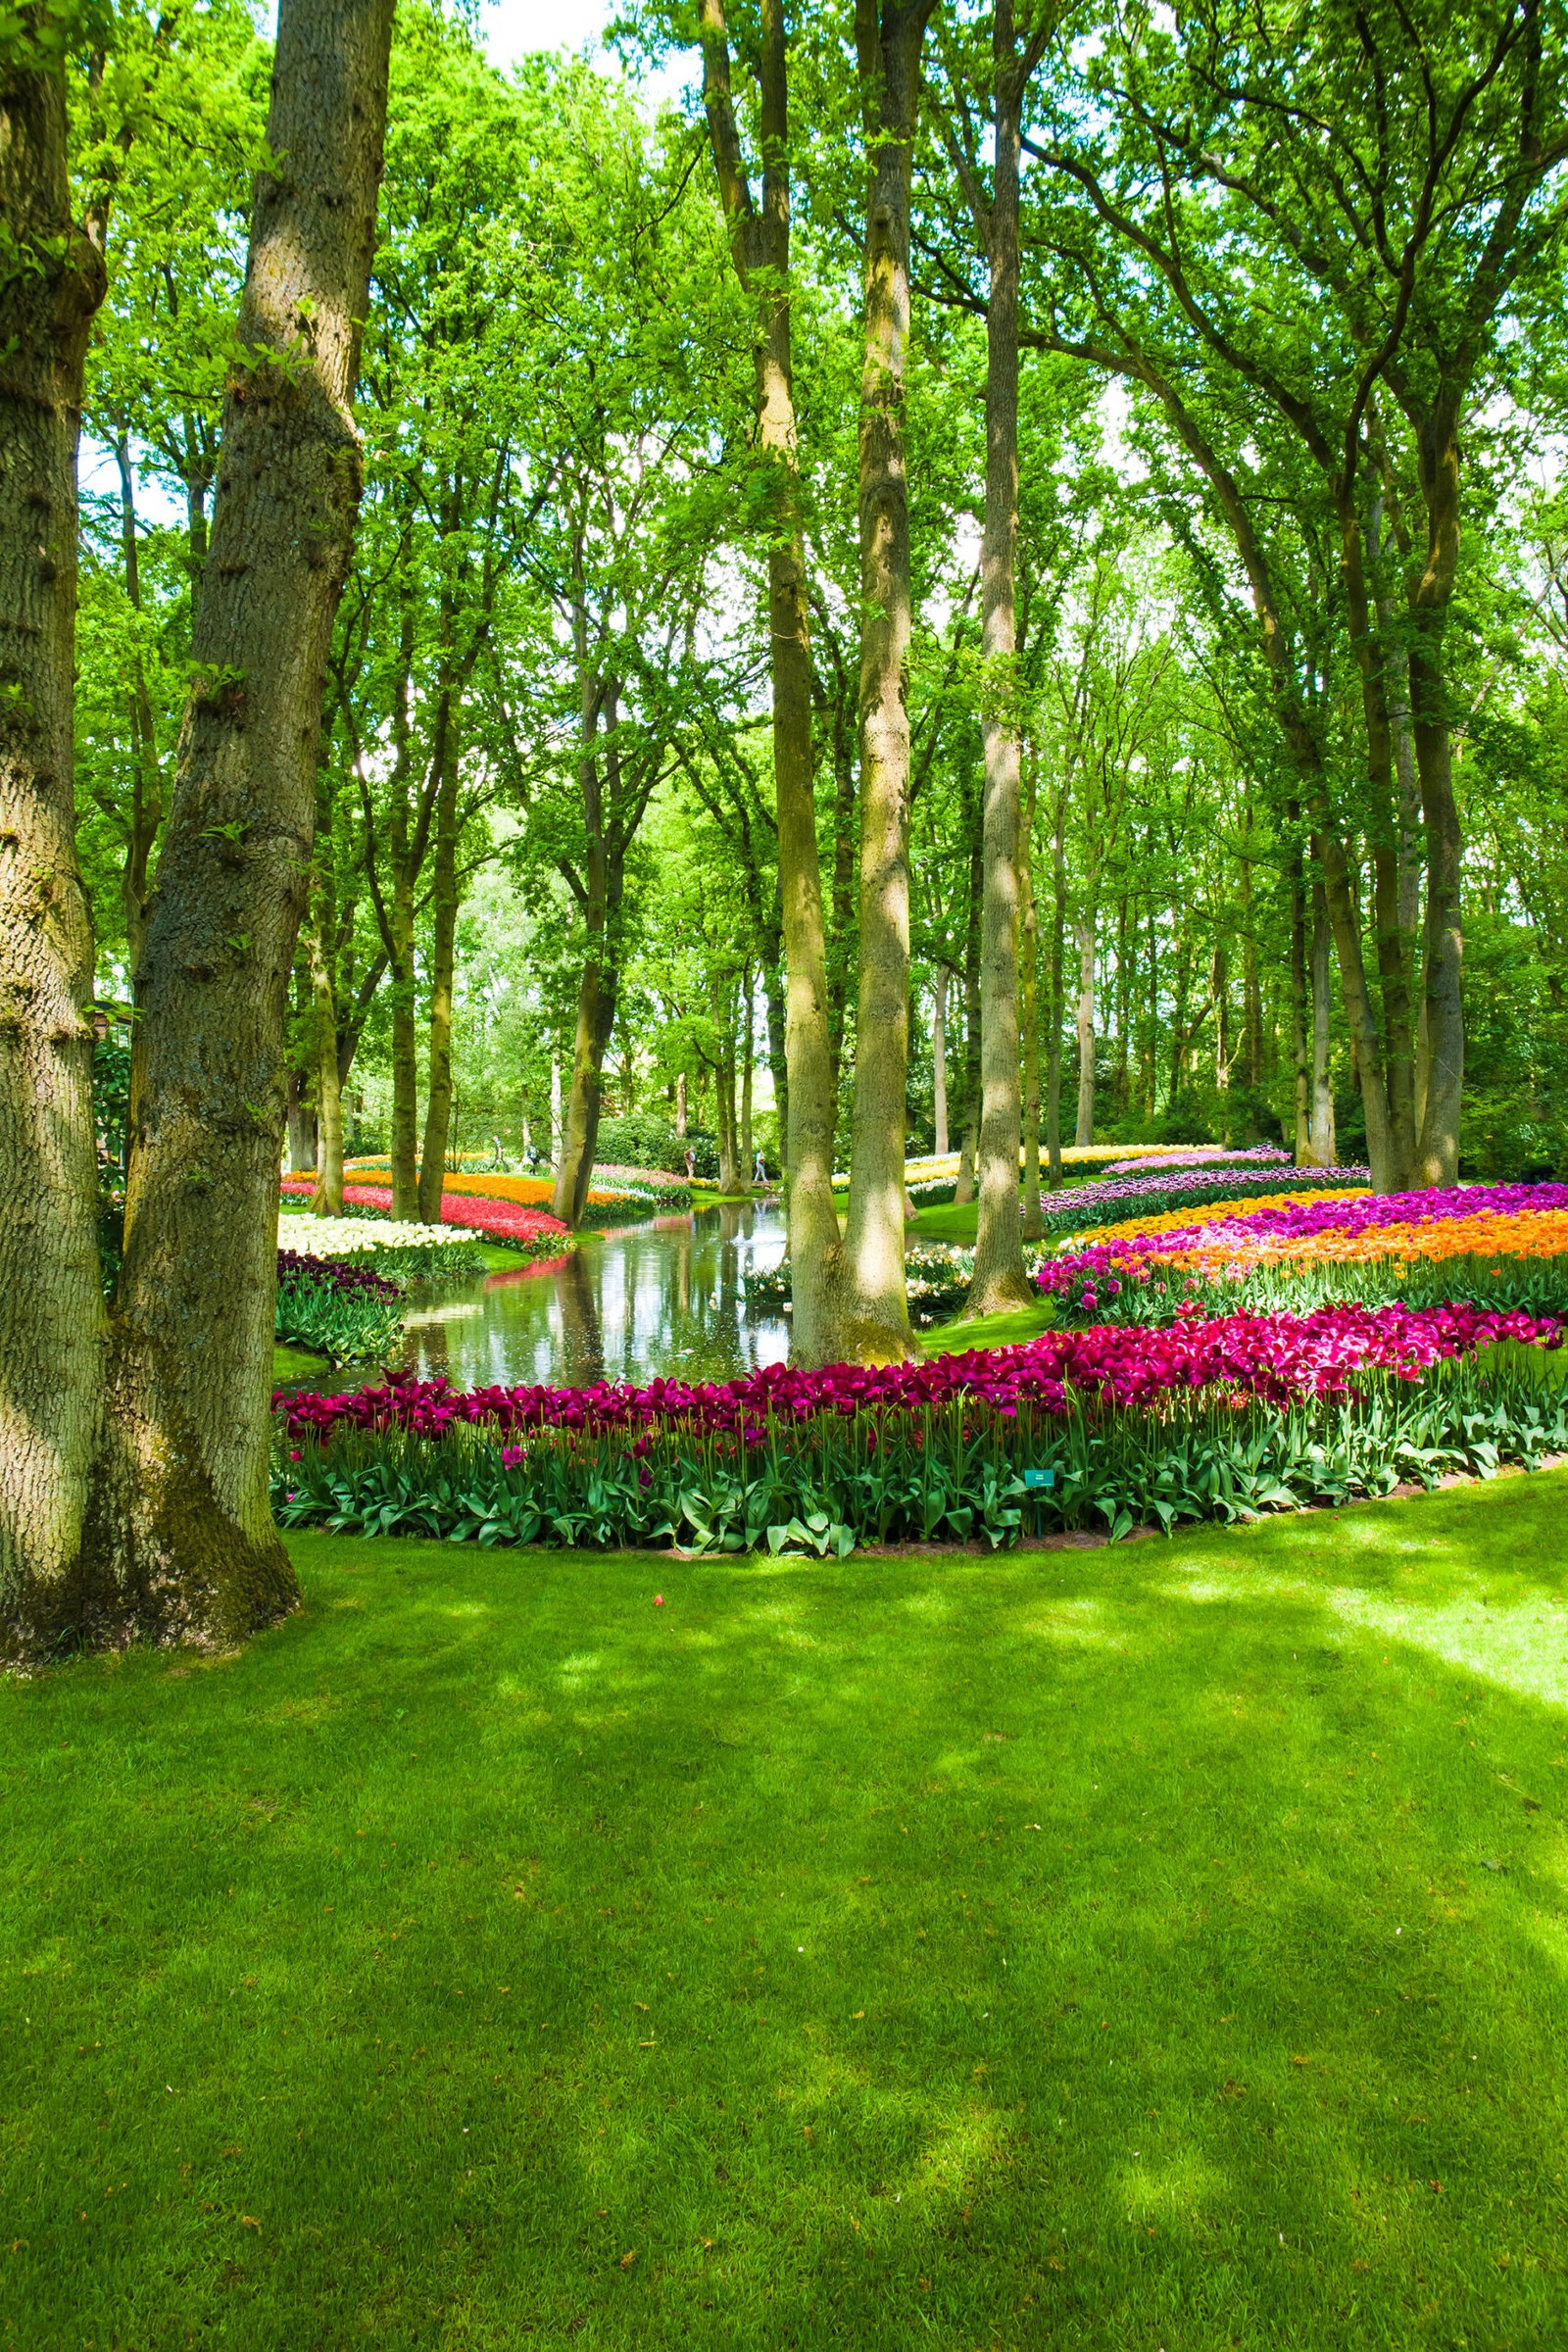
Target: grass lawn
(1160, 1947)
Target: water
(662, 1297)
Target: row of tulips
(346, 1313)
(1114, 1282)
(963, 1469)
(1469, 1220)
(511, 1222)
(1090, 1208)
(1271, 1359)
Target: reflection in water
(625, 1307)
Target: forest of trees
(1003, 576)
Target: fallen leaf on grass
(248, 2220)
(627, 2259)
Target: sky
(510, 28)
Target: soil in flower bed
(1150, 1946)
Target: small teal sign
(1038, 1477)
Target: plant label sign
(1038, 1477)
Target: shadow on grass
(1165, 1945)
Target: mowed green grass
(1158, 1946)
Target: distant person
(691, 1164)
(533, 1158)
(760, 1171)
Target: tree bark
(889, 35)
(442, 959)
(1438, 1147)
(1084, 1133)
(939, 1058)
(998, 1281)
(51, 1295)
(748, 1154)
(969, 1063)
(599, 900)
(328, 1199)
(1058, 978)
(1324, 1151)
(1301, 1050)
(400, 940)
(146, 813)
(761, 246)
(181, 1520)
(1033, 1214)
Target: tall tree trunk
(1058, 982)
(301, 1127)
(998, 1281)
(328, 1199)
(1323, 1152)
(51, 1295)
(889, 35)
(146, 813)
(969, 1068)
(760, 245)
(1085, 1131)
(1033, 1214)
(400, 942)
(1301, 1050)
(596, 1017)
(939, 1058)
(680, 1105)
(777, 1060)
(182, 1522)
(443, 960)
(724, 1106)
(1438, 1147)
(748, 1154)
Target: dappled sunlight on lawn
(1080, 1947)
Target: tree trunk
(1301, 1050)
(182, 1522)
(1085, 1131)
(939, 1058)
(1399, 1062)
(328, 1199)
(1058, 982)
(760, 245)
(1033, 1215)
(596, 1017)
(443, 957)
(748, 1154)
(1438, 1148)
(888, 40)
(969, 1069)
(1324, 1149)
(998, 1280)
(302, 1155)
(146, 811)
(51, 1295)
(400, 944)
(680, 1105)
(724, 1106)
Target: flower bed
(1205, 1155)
(396, 1248)
(346, 1313)
(498, 1221)
(1272, 1358)
(1113, 1203)
(1502, 1247)
(1470, 1220)
(1113, 1426)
